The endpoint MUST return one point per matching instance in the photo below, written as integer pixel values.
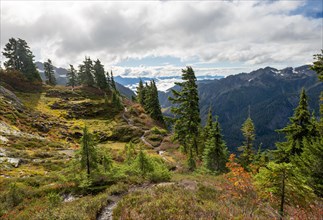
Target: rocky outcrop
(10, 96)
(7, 130)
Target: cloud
(252, 33)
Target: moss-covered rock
(126, 133)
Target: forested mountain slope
(271, 94)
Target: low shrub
(15, 80)
(126, 133)
(156, 130)
(165, 202)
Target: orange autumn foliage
(240, 181)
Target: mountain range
(269, 93)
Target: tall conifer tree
(71, 77)
(318, 65)
(49, 73)
(215, 152)
(140, 89)
(99, 74)
(152, 103)
(21, 58)
(318, 68)
(311, 160)
(113, 83)
(248, 131)
(109, 81)
(301, 127)
(186, 111)
(88, 152)
(86, 72)
(208, 125)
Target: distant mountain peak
(271, 93)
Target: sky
(159, 38)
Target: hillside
(60, 75)
(271, 94)
(39, 143)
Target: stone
(11, 96)
(14, 161)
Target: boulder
(12, 97)
(14, 161)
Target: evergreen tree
(152, 105)
(99, 75)
(88, 152)
(186, 111)
(140, 97)
(108, 80)
(191, 161)
(248, 131)
(311, 159)
(144, 94)
(311, 163)
(285, 183)
(113, 84)
(130, 152)
(71, 77)
(86, 72)
(143, 163)
(208, 125)
(11, 53)
(205, 132)
(318, 68)
(116, 101)
(300, 128)
(49, 73)
(318, 65)
(106, 159)
(215, 153)
(260, 159)
(20, 58)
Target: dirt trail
(107, 212)
(143, 139)
(130, 123)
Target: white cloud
(248, 32)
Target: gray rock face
(12, 97)
(14, 161)
(6, 129)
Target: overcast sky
(161, 37)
